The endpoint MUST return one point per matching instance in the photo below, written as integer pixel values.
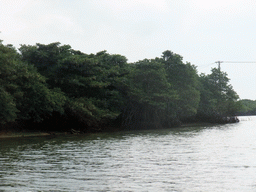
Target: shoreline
(4, 134)
(27, 133)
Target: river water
(199, 158)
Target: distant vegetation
(248, 107)
(53, 87)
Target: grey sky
(202, 31)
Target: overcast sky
(202, 31)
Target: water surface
(200, 158)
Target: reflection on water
(206, 158)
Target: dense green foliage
(248, 107)
(24, 92)
(56, 85)
(218, 99)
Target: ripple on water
(187, 159)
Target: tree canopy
(218, 99)
(24, 92)
(91, 92)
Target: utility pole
(219, 70)
(220, 78)
(219, 62)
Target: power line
(219, 62)
(204, 66)
(238, 61)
